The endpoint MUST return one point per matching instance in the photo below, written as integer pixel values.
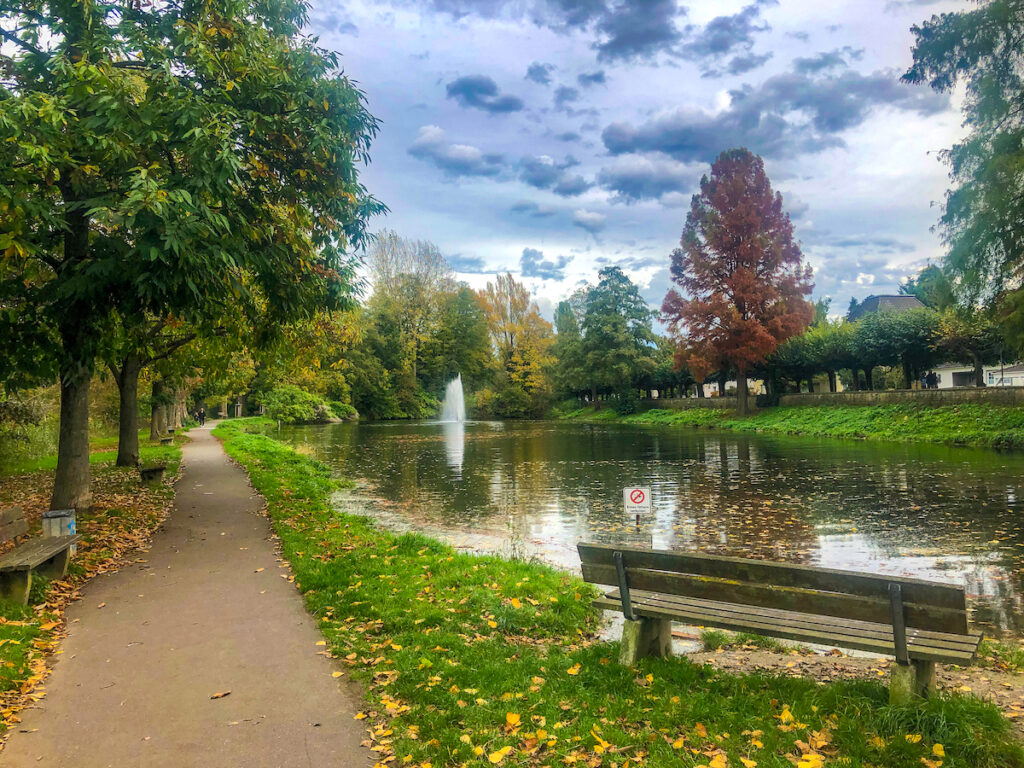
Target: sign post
(637, 501)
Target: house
(888, 303)
(957, 375)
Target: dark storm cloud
(639, 30)
(588, 79)
(540, 73)
(827, 60)
(787, 115)
(729, 37)
(481, 92)
(533, 264)
(533, 210)
(543, 172)
(633, 178)
(470, 265)
(455, 160)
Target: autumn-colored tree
(742, 274)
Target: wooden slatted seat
(48, 556)
(919, 622)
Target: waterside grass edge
(477, 660)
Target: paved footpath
(208, 612)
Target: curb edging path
(207, 612)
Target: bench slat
(784, 630)
(12, 524)
(769, 595)
(925, 593)
(803, 621)
(35, 552)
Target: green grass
(469, 658)
(969, 424)
(715, 639)
(102, 450)
(1006, 657)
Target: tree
(570, 373)
(932, 287)
(983, 221)
(740, 270)
(168, 159)
(969, 338)
(618, 344)
(904, 338)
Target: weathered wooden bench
(918, 622)
(152, 475)
(48, 556)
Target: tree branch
(13, 38)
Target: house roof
(888, 303)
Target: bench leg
(57, 566)
(15, 586)
(645, 637)
(910, 681)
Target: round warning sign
(637, 501)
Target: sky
(551, 138)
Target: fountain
(454, 406)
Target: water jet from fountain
(454, 406)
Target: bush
(344, 411)
(293, 405)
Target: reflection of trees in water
(767, 497)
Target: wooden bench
(152, 475)
(48, 556)
(918, 622)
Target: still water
(948, 514)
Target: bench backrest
(927, 605)
(12, 524)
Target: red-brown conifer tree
(742, 274)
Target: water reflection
(934, 512)
(455, 444)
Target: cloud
(542, 172)
(787, 115)
(827, 60)
(481, 92)
(540, 73)
(568, 136)
(565, 94)
(591, 221)
(729, 36)
(469, 265)
(637, 177)
(533, 264)
(534, 210)
(639, 30)
(588, 79)
(454, 159)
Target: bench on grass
(918, 622)
(48, 556)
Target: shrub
(343, 411)
(293, 405)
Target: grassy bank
(475, 660)
(969, 424)
(123, 517)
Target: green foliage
(469, 643)
(983, 222)
(291, 405)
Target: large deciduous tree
(983, 221)
(741, 272)
(170, 158)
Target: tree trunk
(907, 374)
(979, 372)
(741, 393)
(158, 415)
(71, 486)
(868, 384)
(810, 386)
(831, 381)
(700, 389)
(722, 378)
(128, 413)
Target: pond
(537, 488)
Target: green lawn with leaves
(476, 660)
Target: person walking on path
(202, 654)
(202, 416)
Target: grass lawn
(475, 660)
(124, 515)
(969, 424)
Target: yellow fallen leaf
(938, 750)
(359, 716)
(748, 763)
(336, 674)
(512, 719)
(221, 695)
(575, 669)
(913, 738)
(516, 603)
(718, 761)
(497, 757)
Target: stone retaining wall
(926, 397)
